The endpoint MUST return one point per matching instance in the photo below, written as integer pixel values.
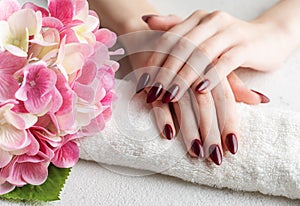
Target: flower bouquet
(56, 81)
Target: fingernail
(215, 154)
(168, 132)
(232, 143)
(197, 148)
(170, 94)
(154, 92)
(202, 85)
(264, 98)
(143, 81)
(146, 17)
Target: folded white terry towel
(268, 159)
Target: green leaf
(48, 191)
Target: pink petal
(34, 173)
(67, 156)
(6, 188)
(88, 73)
(9, 63)
(84, 92)
(13, 139)
(108, 99)
(7, 8)
(32, 6)
(52, 22)
(106, 37)
(95, 126)
(57, 101)
(38, 104)
(62, 10)
(8, 87)
(70, 36)
(34, 146)
(5, 158)
(66, 121)
(100, 54)
(68, 95)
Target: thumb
(163, 23)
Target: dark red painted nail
(215, 154)
(154, 92)
(202, 86)
(231, 143)
(264, 98)
(146, 17)
(142, 83)
(170, 94)
(168, 132)
(197, 148)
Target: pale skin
(227, 43)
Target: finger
(227, 115)
(164, 46)
(243, 94)
(229, 61)
(208, 124)
(208, 51)
(164, 120)
(188, 126)
(163, 23)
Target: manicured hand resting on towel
(268, 160)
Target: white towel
(268, 160)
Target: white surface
(91, 184)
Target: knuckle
(203, 49)
(227, 59)
(183, 44)
(198, 13)
(219, 16)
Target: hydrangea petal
(13, 139)
(5, 158)
(34, 173)
(6, 187)
(67, 156)
(106, 37)
(7, 8)
(8, 87)
(19, 21)
(62, 10)
(32, 6)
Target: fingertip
(146, 18)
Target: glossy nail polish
(170, 94)
(168, 132)
(146, 17)
(202, 86)
(215, 154)
(231, 143)
(197, 148)
(142, 83)
(264, 98)
(154, 92)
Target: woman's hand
(220, 42)
(208, 122)
(217, 122)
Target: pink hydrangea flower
(56, 82)
(38, 91)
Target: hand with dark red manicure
(197, 103)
